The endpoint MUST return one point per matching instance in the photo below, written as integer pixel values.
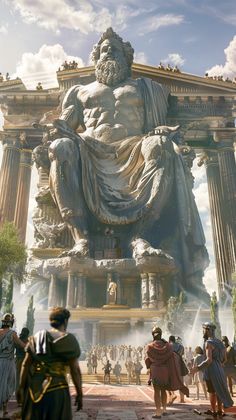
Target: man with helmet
(8, 341)
(164, 370)
(214, 374)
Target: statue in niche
(112, 291)
(124, 169)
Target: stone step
(99, 377)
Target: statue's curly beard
(111, 72)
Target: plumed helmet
(8, 319)
(156, 331)
(209, 326)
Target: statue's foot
(142, 248)
(80, 249)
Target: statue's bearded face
(111, 68)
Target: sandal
(211, 413)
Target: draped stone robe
(127, 180)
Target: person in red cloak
(164, 371)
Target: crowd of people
(36, 368)
(116, 359)
(209, 368)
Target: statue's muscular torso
(112, 113)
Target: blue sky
(196, 31)
(36, 36)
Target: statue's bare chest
(107, 97)
(118, 110)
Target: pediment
(180, 84)
(184, 83)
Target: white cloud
(228, 69)
(4, 29)
(210, 280)
(201, 197)
(202, 200)
(42, 66)
(140, 57)
(156, 22)
(174, 59)
(61, 14)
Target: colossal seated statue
(114, 164)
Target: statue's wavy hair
(110, 34)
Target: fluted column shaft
(227, 168)
(81, 291)
(22, 200)
(95, 334)
(53, 292)
(218, 220)
(9, 180)
(159, 291)
(70, 291)
(152, 290)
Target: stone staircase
(98, 378)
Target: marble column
(152, 290)
(227, 167)
(217, 219)
(53, 292)
(118, 292)
(159, 291)
(144, 290)
(9, 179)
(80, 291)
(22, 199)
(94, 334)
(70, 291)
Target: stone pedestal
(9, 180)
(73, 272)
(22, 199)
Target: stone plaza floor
(130, 402)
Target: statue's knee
(63, 149)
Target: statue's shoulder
(71, 95)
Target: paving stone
(110, 414)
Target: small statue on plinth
(112, 292)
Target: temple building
(205, 110)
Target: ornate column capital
(225, 138)
(208, 158)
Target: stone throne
(77, 282)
